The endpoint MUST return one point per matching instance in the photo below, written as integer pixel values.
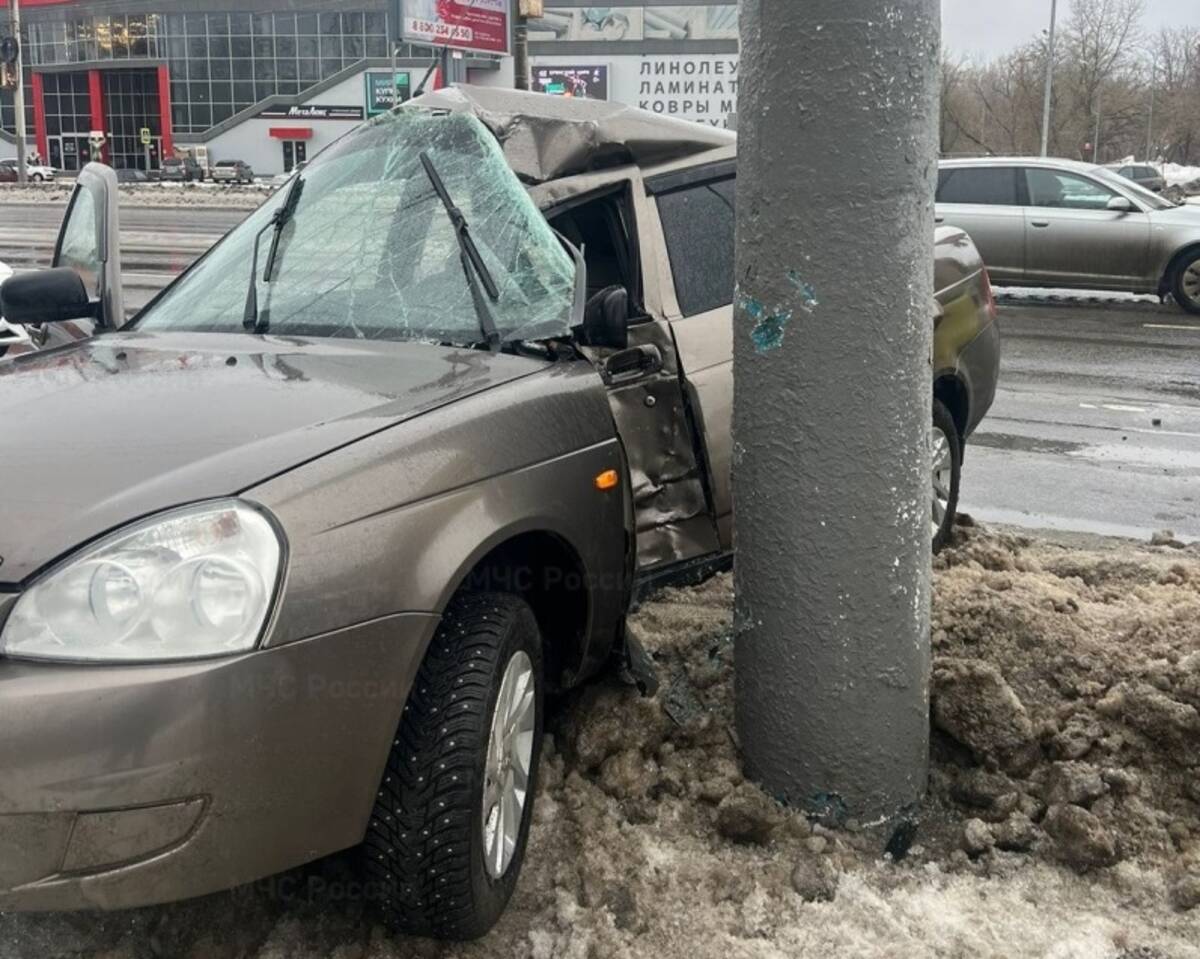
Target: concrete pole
(1049, 79)
(1150, 120)
(1096, 138)
(19, 95)
(521, 52)
(833, 331)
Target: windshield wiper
(250, 317)
(472, 263)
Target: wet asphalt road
(1095, 428)
(1096, 424)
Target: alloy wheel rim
(943, 471)
(507, 770)
(1191, 281)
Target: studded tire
(425, 846)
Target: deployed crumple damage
(371, 252)
(546, 138)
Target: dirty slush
(1063, 815)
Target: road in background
(1096, 424)
(156, 242)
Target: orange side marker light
(607, 480)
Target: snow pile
(1186, 176)
(1063, 817)
(170, 195)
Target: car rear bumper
(980, 364)
(131, 785)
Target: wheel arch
(950, 389)
(545, 569)
(1167, 281)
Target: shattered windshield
(371, 253)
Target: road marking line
(1171, 326)
(1118, 408)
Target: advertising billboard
(382, 95)
(481, 26)
(589, 81)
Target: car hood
(1188, 214)
(117, 427)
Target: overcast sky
(989, 27)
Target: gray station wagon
(301, 549)
(1058, 223)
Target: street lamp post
(19, 94)
(1150, 120)
(1049, 79)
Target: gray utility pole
(521, 45)
(1150, 121)
(19, 94)
(1096, 138)
(833, 328)
(1049, 79)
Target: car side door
(692, 220)
(985, 201)
(89, 243)
(674, 523)
(1073, 239)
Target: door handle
(939, 219)
(632, 364)
(1040, 224)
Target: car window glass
(990, 186)
(1067, 191)
(80, 244)
(371, 251)
(699, 225)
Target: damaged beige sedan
(380, 471)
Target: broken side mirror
(46, 296)
(606, 319)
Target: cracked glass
(371, 252)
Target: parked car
(1144, 175)
(34, 172)
(382, 500)
(232, 171)
(181, 169)
(1058, 223)
(132, 175)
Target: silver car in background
(1058, 223)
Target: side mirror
(1119, 204)
(46, 296)
(606, 319)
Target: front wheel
(1186, 286)
(451, 820)
(946, 454)
(37, 178)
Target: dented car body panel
(407, 439)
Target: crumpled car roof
(546, 137)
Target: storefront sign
(572, 80)
(382, 95)
(478, 25)
(309, 111)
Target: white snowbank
(1177, 175)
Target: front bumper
(131, 785)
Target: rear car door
(645, 388)
(1073, 239)
(692, 219)
(88, 243)
(985, 201)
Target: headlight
(190, 583)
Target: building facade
(273, 81)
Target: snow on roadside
(1177, 175)
(171, 195)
